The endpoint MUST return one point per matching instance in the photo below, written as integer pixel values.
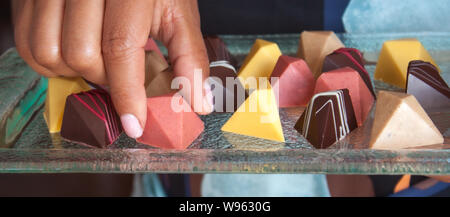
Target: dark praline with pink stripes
(90, 119)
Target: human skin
(103, 41)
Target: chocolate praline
(348, 57)
(328, 118)
(90, 118)
(223, 66)
(426, 84)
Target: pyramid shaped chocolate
(90, 118)
(314, 46)
(260, 62)
(425, 83)
(394, 58)
(295, 82)
(158, 76)
(347, 78)
(352, 58)
(152, 46)
(328, 118)
(400, 122)
(161, 84)
(227, 90)
(227, 98)
(258, 116)
(168, 128)
(154, 65)
(58, 90)
(218, 51)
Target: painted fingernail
(131, 126)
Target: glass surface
(219, 152)
(22, 93)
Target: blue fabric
(264, 185)
(378, 16)
(260, 16)
(429, 192)
(332, 14)
(245, 185)
(151, 186)
(176, 185)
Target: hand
(103, 41)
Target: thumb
(126, 29)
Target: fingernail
(131, 126)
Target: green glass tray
(36, 151)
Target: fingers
(51, 47)
(46, 36)
(180, 32)
(22, 18)
(82, 38)
(125, 33)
